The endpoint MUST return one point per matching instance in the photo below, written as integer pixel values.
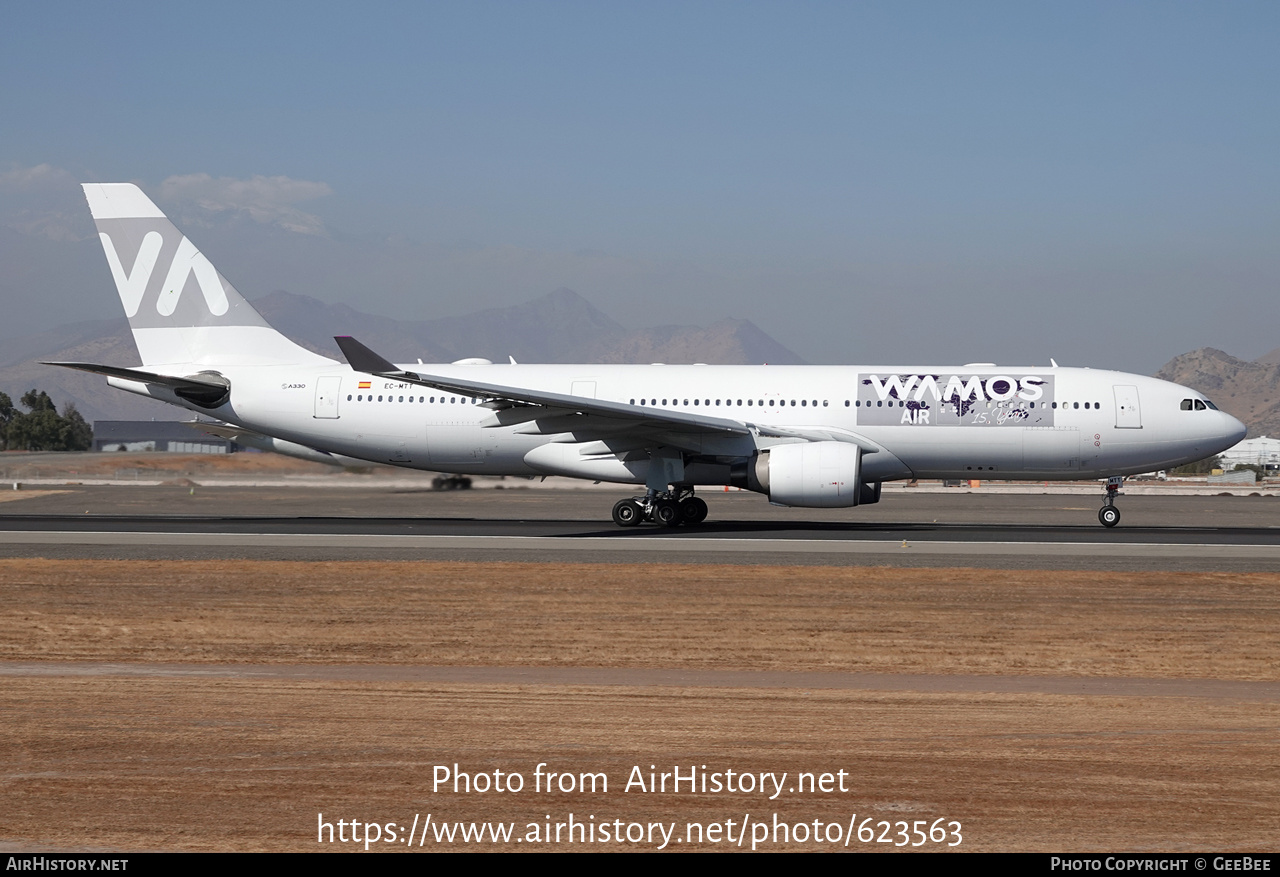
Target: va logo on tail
(186, 261)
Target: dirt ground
(21, 464)
(228, 704)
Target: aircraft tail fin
(181, 310)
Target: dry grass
(1177, 625)
(248, 765)
(131, 763)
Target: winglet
(362, 359)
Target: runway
(1018, 531)
(952, 542)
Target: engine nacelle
(816, 475)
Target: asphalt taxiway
(1236, 533)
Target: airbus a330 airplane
(808, 436)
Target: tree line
(41, 427)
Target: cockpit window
(1186, 405)
(1200, 406)
(1211, 405)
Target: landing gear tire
(667, 513)
(693, 511)
(627, 513)
(1109, 516)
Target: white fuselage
(1023, 423)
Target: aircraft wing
(548, 412)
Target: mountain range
(1247, 389)
(561, 326)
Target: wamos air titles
(809, 436)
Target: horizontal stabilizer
(207, 389)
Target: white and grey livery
(809, 436)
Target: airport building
(1253, 452)
(157, 435)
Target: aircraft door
(327, 390)
(1128, 411)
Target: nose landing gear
(670, 509)
(1109, 515)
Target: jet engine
(823, 475)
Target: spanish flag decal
(364, 385)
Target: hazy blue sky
(890, 182)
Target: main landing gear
(670, 509)
(1109, 515)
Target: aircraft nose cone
(1234, 430)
